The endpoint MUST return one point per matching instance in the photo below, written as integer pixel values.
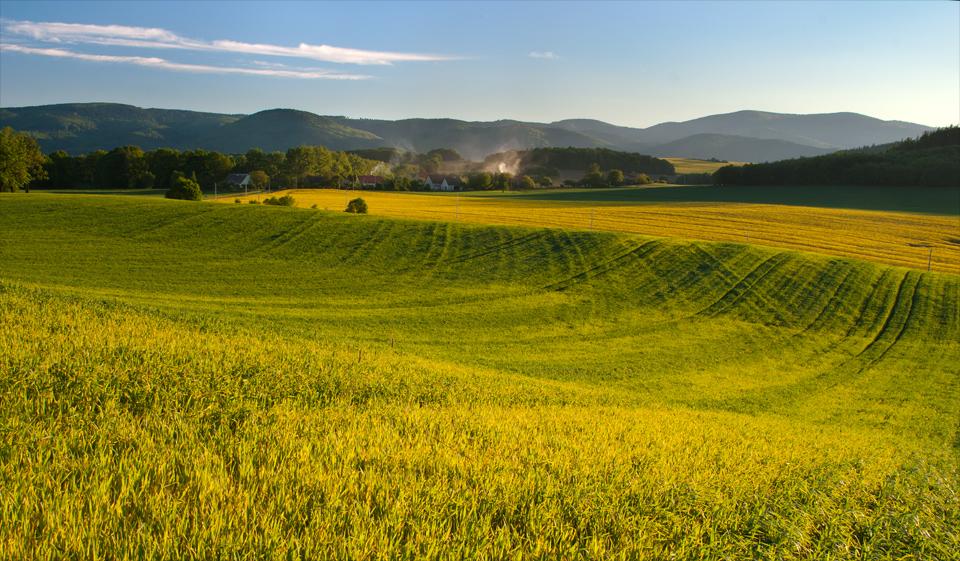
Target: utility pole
(591, 219)
(456, 216)
(929, 259)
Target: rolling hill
(221, 380)
(81, 128)
(734, 148)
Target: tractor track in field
(283, 238)
(603, 267)
(830, 302)
(741, 288)
(785, 341)
(840, 372)
(909, 303)
(516, 242)
(371, 240)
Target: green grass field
(200, 380)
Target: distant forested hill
(932, 160)
(81, 128)
(746, 136)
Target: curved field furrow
(736, 292)
(603, 268)
(896, 318)
(359, 251)
(496, 248)
(280, 239)
(829, 307)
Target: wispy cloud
(146, 37)
(547, 54)
(156, 62)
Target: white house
(238, 179)
(442, 183)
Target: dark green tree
(502, 181)
(357, 206)
(524, 182)
(184, 189)
(120, 168)
(480, 181)
(20, 161)
(62, 170)
(299, 161)
(162, 163)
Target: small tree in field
(185, 189)
(357, 206)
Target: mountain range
(743, 136)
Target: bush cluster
(285, 200)
(357, 206)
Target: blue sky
(628, 63)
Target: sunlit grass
(906, 240)
(185, 380)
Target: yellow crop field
(901, 239)
(687, 165)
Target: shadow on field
(927, 200)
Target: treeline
(428, 163)
(129, 167)
(582, 158)
(931, 160)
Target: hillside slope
(80, 128)
(735, 148)
(279, 129)
(200, 380)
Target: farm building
(238, 179)
(442, 183)
(370, 180)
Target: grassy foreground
(183, 380)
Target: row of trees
(129, 167)
(932, 160)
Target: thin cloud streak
(144, 37)
(547, 54)
(155, 62)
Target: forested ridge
(582, 158)
(930, 160)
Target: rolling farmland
(195, 380)
(901, 239)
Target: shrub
(185, 189)
(285, 200)
(358, 206)
(238, 201)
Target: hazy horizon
(634, 64)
